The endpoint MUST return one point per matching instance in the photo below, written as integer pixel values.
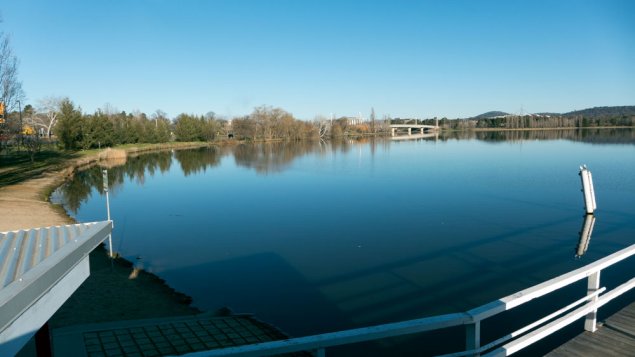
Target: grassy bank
(16, 167)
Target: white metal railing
(586, 306)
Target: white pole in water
(105, 179)
(587, 190)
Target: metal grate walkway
(159, 337)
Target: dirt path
(22, 206)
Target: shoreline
(112, 292)
(539, 129)
(27, 204)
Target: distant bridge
(422, 128)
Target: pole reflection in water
(136, 268)
(585, 235)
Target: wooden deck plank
(584, 346)
(626, 313)
(616, 337)
(615, 342)
(565, 351)
(625, 319)
(601, 341)
(595, 345)
(626, 328)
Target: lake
(315, 237)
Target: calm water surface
(317, 237)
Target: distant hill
(604, 112)
(491, 114)
(591, 113)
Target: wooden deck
(616, 337)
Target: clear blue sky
(404, 58)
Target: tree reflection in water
(73, 193)
(600, 136)
(275, 157)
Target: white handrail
(536, 291)
(470, 319)
(556, 325)
(526, 328)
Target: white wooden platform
(40, 269)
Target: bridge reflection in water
(421, 128)
(434, 136)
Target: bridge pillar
(409, 131)
(421, 131)
(393, 131)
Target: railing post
(593, 284)
(473, 336)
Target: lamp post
(20, 111)
(20, 129)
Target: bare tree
(110, 110)
(372, 120)
(46, 116)
(10, 87)
(210, 115)
(158, 115)
(323, 125)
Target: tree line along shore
(59, 123)
(62, 123)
